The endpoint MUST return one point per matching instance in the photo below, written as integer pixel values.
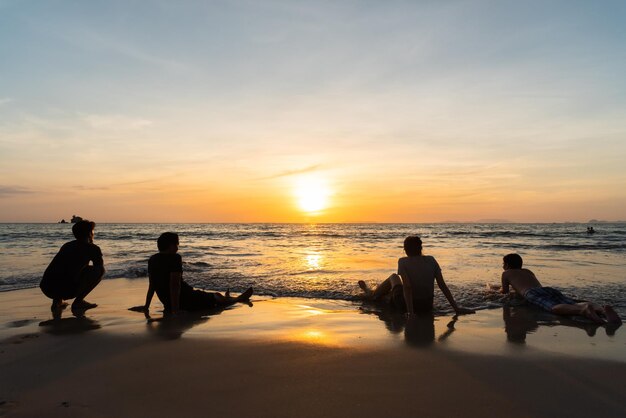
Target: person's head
(512, 261)
(413, 245)
(168, 242)
(83, 230)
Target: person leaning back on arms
(412, 288)
(69, 275)
(165, 271)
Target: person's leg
(89, 278)
(611, 316)
(227, 300)
(607, 310)
(382, 289)
(55, 289)
(582, 308)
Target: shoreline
(345, 322)
(289, 357)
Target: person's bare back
(520, 279)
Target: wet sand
(298, 357)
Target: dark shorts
(419, 305)
(197, 300)
(547, 297)
(67, 287)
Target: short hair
(82, 229)
(413, 245)
(166, 240)
(513, 260)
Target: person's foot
(57, 308)
(365, 288)
(58, 304)
(590, 313)
(245, 296)
(611, 316)
(82, 305)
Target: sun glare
(312, 194)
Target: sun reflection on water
(313, 261)
(315, 336)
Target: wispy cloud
(293, 172)
(6, 191)
(112, 186)
(116, 122)
(5, 100)
(90, 188)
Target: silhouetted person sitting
(412, 288)
(165, 270)
(526, 284)
(69, 274)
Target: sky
(312, 111)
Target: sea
(326, 260)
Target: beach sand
(298, 358)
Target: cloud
(14, 190)
(90, 188)
(115, 122)
(293, 172)
(5, 100)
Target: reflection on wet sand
(168, 327)
(172, 328)
(419, 330)
(519, 321)
(71, 325)
(77, 324)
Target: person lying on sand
(69, 274)
(526, 284)
(165, 271)
(412, 288)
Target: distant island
(493, 221)
(480, 221)
(73, 220)
(597, 221)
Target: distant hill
(480, 221)
(493, 221)
(597, 221)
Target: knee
(395, 279)
(94, 273)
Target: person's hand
(140, 308)
(176, 314)
(464, 311)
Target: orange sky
(404, 111)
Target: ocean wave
(472, 295)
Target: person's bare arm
(149, 296)
(505, 285)
(407, 290)
(97, 260)
(175, 280)
(446, 292)
(146, 306)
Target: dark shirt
(160, 266)
(69, 261)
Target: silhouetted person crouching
(69, 275)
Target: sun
(312, 194)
